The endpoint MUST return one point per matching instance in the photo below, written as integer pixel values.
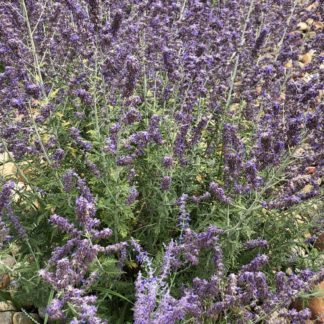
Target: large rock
(6, 317)
(22, 318)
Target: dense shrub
(168, 158)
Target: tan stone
(319, 25)
(312, 34)
(303, 26)
(313, 6)
(309, 21)
(307, 57)
(8, 169)
(22, 318)
(288, 65)
(6, 306)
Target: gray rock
(6, 317)
(22, 318)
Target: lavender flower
(167, 162)
(64, 225)
(260, 40)
(197, 131)
(184, 216)
(166, 183)
(5, 206)
(93, 168)
(67, 180)
(6, 194)
(219, 193)
(255, 243)
(58, 155)
(257, 263)
(131, 116)
(55, 309)
(132, 196)
(75, 134)
(71, 263)
(14, 220)
(296, 316)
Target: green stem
(33, 46)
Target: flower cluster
(70, 277)
(246, 294)
(6, 211)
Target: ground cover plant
(166, 159)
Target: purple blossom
(256, 264)
(255, 243)
(131, 116)
(132, 196)
(64, 225)
(125, 160)
(167, 162)
(198, 129)
(219, 193)
(93, 168)
(85, 211)
(68, 180)
(75, 134)
(6, 193)
(58, 156)
(296, 316)
(184, 216)
(70, 264)
(166, 183)
(14, 220)
(55, 309)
